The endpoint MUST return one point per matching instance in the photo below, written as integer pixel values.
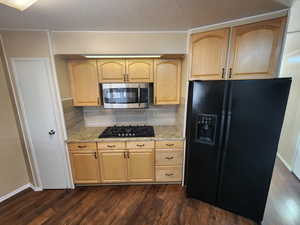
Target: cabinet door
(141, 165)
(255, 49)
(139, 70)
(208, 54)
(84, 82)
(167, 81)
(85, 167)
(111, 70)
(113, 166)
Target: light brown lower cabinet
(140, 165)
(85, 167)
(113, 166)
(127, 166)
(168, 173)
(126, 162)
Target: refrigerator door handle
(225, 150)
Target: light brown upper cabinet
(208, 54)
(111, 70)
(255, 49)
(167, 81)
(139, 70)
(84, 82)
(125, 70)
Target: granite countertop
(80, 133)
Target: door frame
(24, 124)
(295, 167)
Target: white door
(36, 95)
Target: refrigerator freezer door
(204, 133)
(257, 111)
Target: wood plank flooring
(143, 205)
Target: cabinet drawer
(168, 173)
(82, 146)
(111, 145)
(167, 158)
(169, 144)
(140, 144)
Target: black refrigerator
(233, 130)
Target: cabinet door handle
(124, 155)
(230, 72)
(127, 77)
(96, 155)
(169, 158)
(111, 146)
(170, 145)
(124, 75)
(223, 73)
(128, 156)
(169, 174)
(140, 145)
(82, 146)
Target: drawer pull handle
(169, 158)
(111, 146)
(82, 146)
(140, 145)
(170, 145)
(96, 155)
(169, 174)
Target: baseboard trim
(35, 188)
(284, 162)
(18, 190)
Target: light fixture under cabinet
(120, 56)
(18, 4)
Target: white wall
(291, 68)
(13, 171)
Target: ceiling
(128, 15)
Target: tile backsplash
(73, 115)
(154, 115)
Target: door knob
(51, 132)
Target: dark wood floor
(143, 205)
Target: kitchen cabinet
(113, 166)
(255, 49)
(111, 70)
(126, 161)
(140, 165)
(167, 81)
(168, 173)
(84, 82)
(168, 161)
(139, 70)
(85, 167)
(208, 54)
(125, 70)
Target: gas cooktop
(127, 131)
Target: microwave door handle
(139, 95)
